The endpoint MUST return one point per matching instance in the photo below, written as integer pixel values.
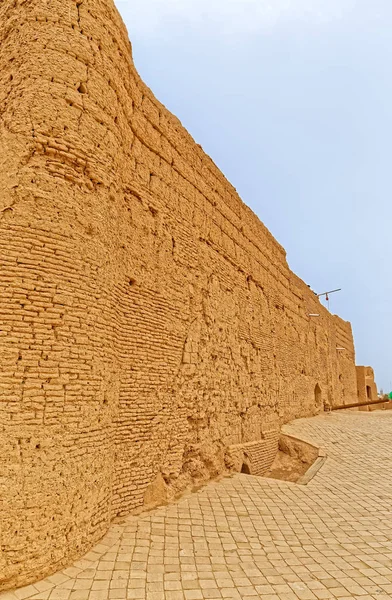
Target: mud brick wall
(254, 458)
(148, 319)
(366, 386)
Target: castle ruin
(152, 335)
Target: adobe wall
(366, 386)
(149, 322)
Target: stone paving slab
(246, 537)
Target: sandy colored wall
(366, 386)
(148, 319)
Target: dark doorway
(245, 469)
(369, 392)
(317, 395)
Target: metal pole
(330, 292)
(358, 404)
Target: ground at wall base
(249, 537)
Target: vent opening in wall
(245, 469)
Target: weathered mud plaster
(150, 326)
(366, 386)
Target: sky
(293, 101)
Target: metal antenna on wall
(326, 294)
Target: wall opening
(245, 469)
(317, 395)
(369, 392)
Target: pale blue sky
(293, 101)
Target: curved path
(246, 537)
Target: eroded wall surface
(366, 386)
(150, 327)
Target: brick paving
(245, 537)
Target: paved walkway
(246, 537)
